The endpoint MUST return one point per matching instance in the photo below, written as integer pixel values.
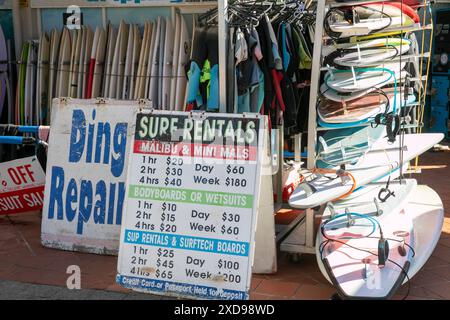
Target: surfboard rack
(301, 239)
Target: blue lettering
(100, 204)
(85, 205)
(120, 146)
(77, 136)
(56, 193)
(71, 197)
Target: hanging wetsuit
(205, 47)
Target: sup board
(364, 245)
(382, 158)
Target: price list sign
(191, 206)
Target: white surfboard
(135, 61)
(55, 39)
(99, 64)
(86, 62)
(339, 96)
(176, 54)
(349, 240)
(75, 62)
(63, 73)
(427, 212)
(152, 92)
(125, 93)
(143, 62)
(183, 58)
(363, 79)
(371, 57)
(122, 59)
(110, 49)
(80, 72)
(382, 159)
(114, 80)
(167, 66)
(160, 79)
(31, 112)
(42, 84)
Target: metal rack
(302, 239)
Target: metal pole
(315, 77)
(223, 42)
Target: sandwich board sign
(191, 204)
(86, 173)
(21, 186)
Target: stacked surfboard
(126, 62)
(369, 242)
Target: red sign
(21, 186)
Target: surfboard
(160, 79)
(362, 108)
(340, 96)
(346, 146)
(121, 60)
(176, 55)
(362, 79)
(20, 101)
(75, 62)
(11, 83)
(352, 256)
(127, 79)
(183, 58)
(110, 50)
(427, 213)
(83, 52)
(135, 61)
(3, 70)
(54, 50)
(382, 158)
(30, 80)
(64, 65)
(371, 57)
(92, 62)
(42, 83)
(143, 73)
(167, 66)
(86, 62)
(152, 91)
(116, 62)
(95, 90)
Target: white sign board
(21, 186)
(191, 205)
(86, 173)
